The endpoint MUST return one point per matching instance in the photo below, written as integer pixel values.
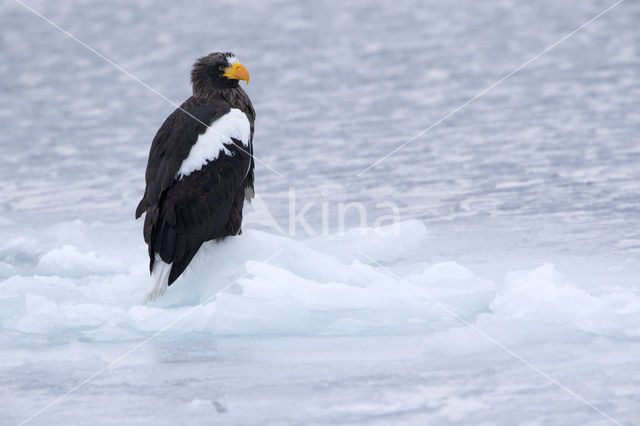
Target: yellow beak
(237, 71)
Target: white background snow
(520, 215)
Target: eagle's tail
(159, 280)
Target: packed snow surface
(508, 291)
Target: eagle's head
(217, 71)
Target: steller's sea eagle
(200, 170)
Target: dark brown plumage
(184, 211)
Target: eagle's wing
(172, 144)
(195, 176)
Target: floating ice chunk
(69, 261)
(447, 271)
(542, 295)
(320, 286)
(74, 232)
(20, 250)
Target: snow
(518, 217)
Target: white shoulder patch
(210, 144)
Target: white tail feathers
(159, 280)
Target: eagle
(199, 170)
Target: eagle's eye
(222, 67)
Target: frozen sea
(508, 291)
